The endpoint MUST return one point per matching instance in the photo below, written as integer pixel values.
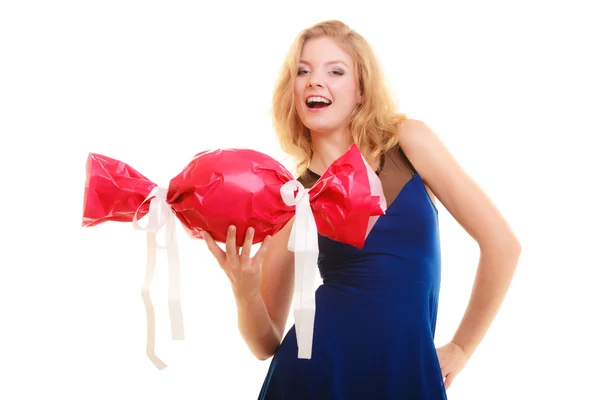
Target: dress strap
(406, 160)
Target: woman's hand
(242, 270)
(452, 359)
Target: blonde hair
(374, 123)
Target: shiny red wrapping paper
(238, 187)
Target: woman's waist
(409, 302)
(380, 271)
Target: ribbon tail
(160, 215)
(175, 312)
(306, 253)
(151, 331)
(305, 307)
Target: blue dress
(376, 309)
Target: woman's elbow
(507, 244)
(265, 354)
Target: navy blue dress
(376, 309)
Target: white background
(512, 88)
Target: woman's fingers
(231, 256)
(230, 247)
(448, 381)
(214, 248)
(247, 247)
(260, 254)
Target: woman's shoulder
(409, 126)
(424, 150)
(415, 138)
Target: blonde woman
(376, 309)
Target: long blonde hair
(374, 123)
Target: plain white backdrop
(512, 88)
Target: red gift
(240, 187)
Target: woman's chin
(320, 126)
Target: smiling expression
(326, 89)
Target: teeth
(317, 100)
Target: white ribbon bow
(304, 243)
(160, 215)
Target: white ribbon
(160, 215)
(304, 243)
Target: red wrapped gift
(245, 188)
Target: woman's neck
(327, 148)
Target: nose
(314, 81)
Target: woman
(376, 310)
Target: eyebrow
(327, 63)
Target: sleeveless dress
(376, 309)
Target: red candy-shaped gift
(235, 187)
(245, 188)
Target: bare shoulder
(425, 150)
(450, 183)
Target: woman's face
(326, 89)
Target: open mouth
(315, 102)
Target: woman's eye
(305, 71)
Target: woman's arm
(262, 318)
(475, 212)
(262, 287)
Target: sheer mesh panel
(396, 171)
